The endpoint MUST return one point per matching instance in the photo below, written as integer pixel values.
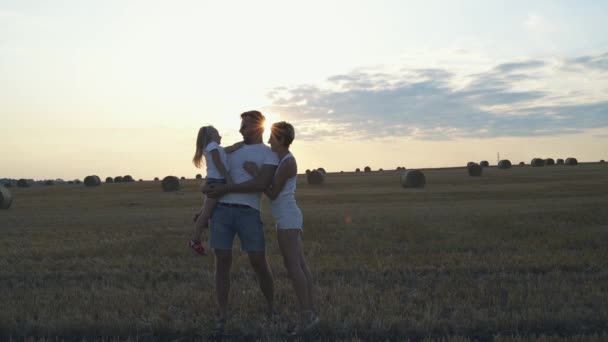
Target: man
(238, 213)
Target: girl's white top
(212, 170)
(286, 198)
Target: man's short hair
(256, 116)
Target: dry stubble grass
(518, 252)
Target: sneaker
(197, 247)
(218, 330)
(299, 329)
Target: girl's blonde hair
(202, 140)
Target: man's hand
(215, 190)
(251, 168)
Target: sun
(270, 119)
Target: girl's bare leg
(203, 219)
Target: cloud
(510, 99)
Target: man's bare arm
(258, 184)
(234, 147)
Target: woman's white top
(286, 200)
(212, 170)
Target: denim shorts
(245, 222)
(215, 181)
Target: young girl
(208, 145)
(288, 219)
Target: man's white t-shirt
(259, 154)
(212, 170)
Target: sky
(121, 87)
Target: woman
(288, 219)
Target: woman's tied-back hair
(285, 131)
(202, 140)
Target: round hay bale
(198, 176)
(367, 169)
(537, 162)
(92, 180)
(484, 163)
(77, 181)
(109, 180)
(6, 198)
(522, 164)
(315, 177)
(504, 164)
(170, 183)
(358, 170)
(413, 179)
(602, 161)
(474, 170)
(127, 179)
(322, 170)
(307, 171)
(571, 161)
(118, 179)
(49, 182)
(559, 161)
(380, 169)
(549, 162)
(471, 163)
(24, 183)
(182, 178)
(156, 179)
(341, 171)
(141, 180)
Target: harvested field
(520, 254)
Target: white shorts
(288, 218)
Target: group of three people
(236, 178)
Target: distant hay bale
(367, 169)
(92, 180)
(127, 179)
(322, 170)
(77, 181)
(484, 163)
(156, 179)
(23, 183)
(380, 169)
(549, 162)
(537, 162)
(199, 176)
(571, 161)
(141, 180)
(49, 182)
(307, 171)
(522, 164)
(170, 183)
(413, 179)
(118, 179)
(358, 170)
(504, 164)
(474, 170)
(315, 177)
(109, 180)
(559, 161)
(6, 198)
(602, 161)
(182, 178)
(341, 171)
(471, 163)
